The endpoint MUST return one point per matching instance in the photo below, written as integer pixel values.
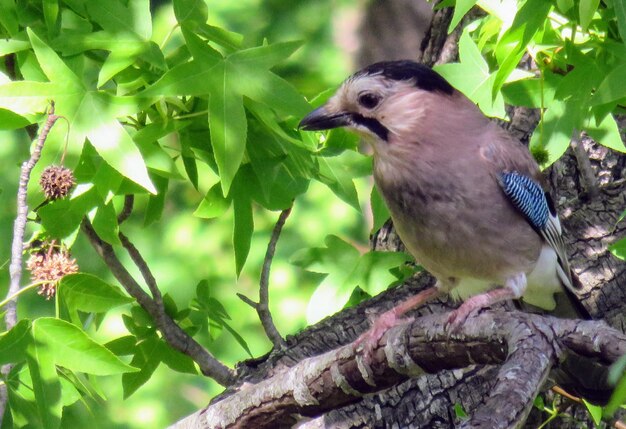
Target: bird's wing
(538, 209)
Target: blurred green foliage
(93, 65)
(192, 107)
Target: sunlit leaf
(46, 385)
(88, 293)
(70, 347)
(612, 87)
(13, 343)
(460, 9)
(619, 249)
(586, 10)
(607, 134)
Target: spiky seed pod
(56, 182)
(50, 266)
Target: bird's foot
(457, 317)
(368, 341)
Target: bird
(467, 199)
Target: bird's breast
(459, 224)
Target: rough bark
(390, 30)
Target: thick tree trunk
(591, 194)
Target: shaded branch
(528, 344)
(263, 307)
(173, 334)
(129, 201)
(144, 270)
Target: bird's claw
(457, 318)
(368, 341)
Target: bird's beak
(322, 119)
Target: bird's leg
(393, 317)
(514, 288)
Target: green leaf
(512, 45)
(195, 11)
(334, 173)
(88, 293)
(619, 249)
(147, 359)
(459, 412)
(214, 204)
(11, 121)
(46, 385)
(113, 16)
(380, 212)
(13, 343)
(72, 348)
(176, 360)
(54, 68)
(105, 223)
(620, 14)
(51, 15)
(460, 10)
(346, 269)
(116, 146)
(555, 132)
(607, 134)
(595, 411)
(617, 376)
(586, 10)
(228, 125)
(156, 203)
(243, 226)
(564, 5)
(612, 87)
(237, 337)
(533, 93)
(62, 217)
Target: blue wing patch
(528, 197)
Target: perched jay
(465, 197)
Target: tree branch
(15, 268)
(144, 270)
(263, 307)
(129, 201)
(535, 344)
(17, 246)
(172, 333)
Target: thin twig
(15, 268)
(129, 201)
(143, 269)
(248, 301)
(263, 307)
(173, 334)
(17, 247)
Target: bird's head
(382, 101)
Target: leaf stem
(19, 292)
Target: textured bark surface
(526, 345)
(589, 212)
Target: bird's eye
(369, 100)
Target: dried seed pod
(49, 265)
(56, 182)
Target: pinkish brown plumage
(440, 165)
